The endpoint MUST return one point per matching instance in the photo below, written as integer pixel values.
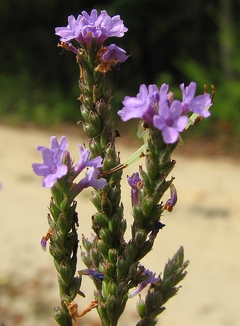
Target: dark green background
(169, 41)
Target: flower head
(199, 104)
(87, 28)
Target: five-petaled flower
(88, 28)
(52, 167)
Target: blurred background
(168, 41)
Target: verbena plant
(113, 263)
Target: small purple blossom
(91, 180)
(92, 272)
(135, 183)
(199, 104)
(114, 54)
(171, 202)
(87, 28)
(170, 121)
(55, 145)
(43, 244)
(51, 168)
(150, 279)
(145, 105)
(86, 161)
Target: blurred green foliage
(168, 41)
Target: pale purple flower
(90, 180)
(87, 28)
(43, 244)
(55, 145)
(51, 168)
(86, 161)
(115, 54)
(135, 183)
(199, 104)
(170, 121)
(145, 105)
(150, 279)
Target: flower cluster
(53, 167)
(87, 28)
(159, 109)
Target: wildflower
(86, 161)
(91, 179)
(87, 28)
(170, 121)
(92, 272)
(172, 200)
(199, 104)
(54, 145)
(150, 279)
(51, 168)
(110, 56)
(136, 183)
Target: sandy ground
(206, 222)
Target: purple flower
(171, 202)
(90, 180)
(145, 105)
(86, 161)
(114, 54)
(51, 168)
(43, 244)
(136, 183)
(150, 278)
(92, 272)
(170, 121)
(87, 28)
(54, 145)
(199, 104)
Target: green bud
(101, 108)
(100, 220)
(95, 147)
(84, 113)
(64, 224)
(112, 255)
(75, 286)
(86, 259)
(61, 317)
(140, 238)
(101, 245)
(147, 205)
(89, 130)
(104, 138)
(131, 251)
(96, 256)
(141, 308)
(106, 205)
(54, 210)
(138, 215)
(110, 270)
(55, 253)
(95, 121)
(112, 288)
(107, 236)
(114, 224)
(122, 268)
(65, 272)
(86, 243)
(104, 289)
(71, 242)
(108, 163)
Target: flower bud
(141, 308)
(75, 286)
(112, 255)
(65, 272)
(107, 236)
(103, 248)
(84, 113)
(140, 237)
(122, 269)
(95, 147)
(61, 317)
(147, 205)
(95, 121)
(89, 130)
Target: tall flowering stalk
(112, 263)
